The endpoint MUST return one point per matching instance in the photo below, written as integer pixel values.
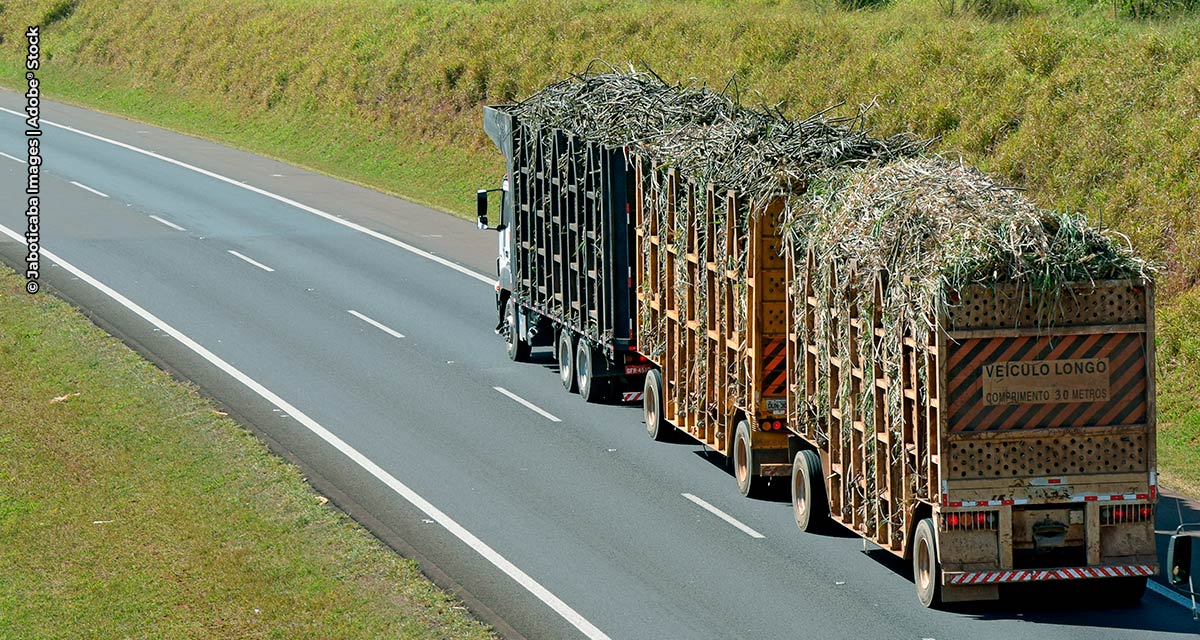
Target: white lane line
(87, 188)
(251, 261)
(168, 223)
(378, 325)
(12, 157)
(724, 516)
(528, 405)
(1167, 593)
(488, 280)
(401, 489)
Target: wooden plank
(1071, 330)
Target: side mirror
(481, 208)
(1179, 561)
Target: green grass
(131, 508)
(1089, 108)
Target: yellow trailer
(1001, 449)
(711, 317)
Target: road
(352, 331)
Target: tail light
(1125, 513)
(971, 521)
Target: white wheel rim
(741, 464)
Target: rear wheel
(809, 503)
(652, 409)
(927, 573)
(748, 484)
(565, 352)
(518, 349)
(591, 389)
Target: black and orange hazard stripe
(1125, 403)
(774, 371)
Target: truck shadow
(1080, 604)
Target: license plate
(637, 369)
(777, 407)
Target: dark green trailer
(564, 267)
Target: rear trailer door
(1049, 431)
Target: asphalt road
(549, 528)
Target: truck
(963, 465)
(564, 272)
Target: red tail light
(971, 521)
(1125, 513)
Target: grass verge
(131, 508)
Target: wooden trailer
(1000, 449)
(711, 315)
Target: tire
(518, 349)
(564, 349)
(810, 505)
(748, 484)
(591, 389)
(652, 409)
(927, 571)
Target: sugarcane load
(919, 353)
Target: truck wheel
(748, 484)
(565, 351)
(652, 409)
(591, 389)
(927, 573)
(809, 503)
(518, 349)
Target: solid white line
(168, 223)
(251, 261)
(12, 157)
(377, 325)
(303, 207)
(1167, 593)
(722, 515)
(87, 188)
(401, 489)
(529, 405)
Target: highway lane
(588, 507)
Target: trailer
(1005, 446)
(711, 315)
(564, 274)
(1003, 450)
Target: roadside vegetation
(1090, 105)
(130, 507)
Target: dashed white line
(168, 223)
(529, 405)
(12, 157)
(724, 516)
(488, 280)
(87, 188)
(251, 261)
(378, 325)
(457, 530)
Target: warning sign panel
(1045, 381)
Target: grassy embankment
(1089, 110)
(131, 508)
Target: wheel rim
(511, 336)
(924, 572)
(650, 407)
(740, 463)
(583, 364)
(800, 498)
(564, 360)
